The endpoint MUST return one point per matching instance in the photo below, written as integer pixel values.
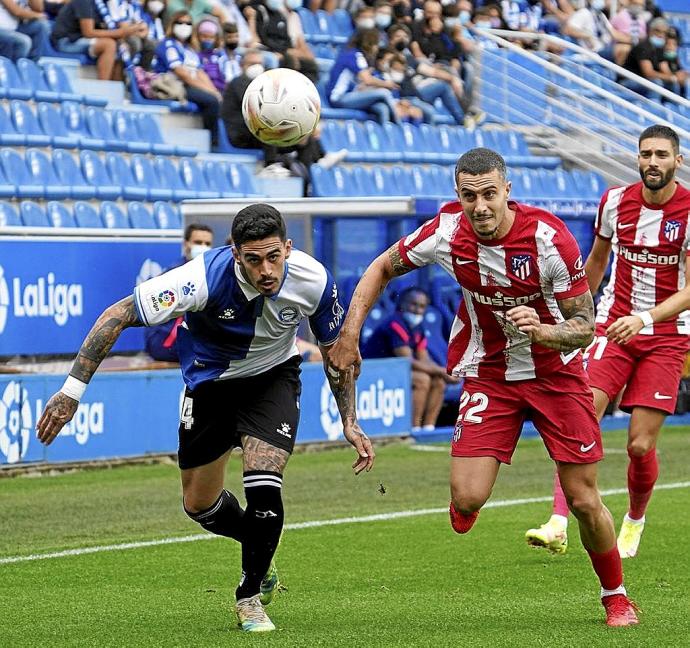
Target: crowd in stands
(402, 56)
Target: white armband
(74, 388)
(646, 318)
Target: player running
(525, 315)
(240, 364)
(646, 226)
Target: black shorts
(217, 414)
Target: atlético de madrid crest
(521, 266)
(671, 230)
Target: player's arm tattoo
(343, 388)
(397, 263)
(260, 455)
(102, 336)
(577, 331)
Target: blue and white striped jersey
(230, 329)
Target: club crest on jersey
(521, 266)
(288, 315)
(671, 230)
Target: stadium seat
(70, 175)
(377, 314)
(53, 125)
(31, 76)
(170, 178)
(224, 145)
(337, 181)
(125, 129)
(149, 131)
(8, 215)
(33, 214)
(379, 142)
(310, 26)
(98, 127)
(371, 179)
(241, 180)
(26, 124)
(112, 216)
(121, 174)
(146, 175)
(166, 215)
(18, 175)
(139, 216)
(59, 215)
(218, 179)
(56, 79)
(96, 175)
(194, 179)
(8, 133)
(11, 85)
(74, 122)
(41, 172)
(343, 22)
(355, 141)
(86, 215)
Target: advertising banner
(136, 413)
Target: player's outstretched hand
(58, 411)
(365, 450)
(344, 354)
(526, 320)
(624, 329)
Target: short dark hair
(405, 294)
(480, 160)
(195, 227)
(663, 132)
(257, 222)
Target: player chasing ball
(242, 306)
(526, 313)
(646, 226)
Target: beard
(657, 183)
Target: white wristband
(646, 318)
(74, 388)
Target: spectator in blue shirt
(402, 335)
(352, 84)
(175, 54)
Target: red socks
(608, 567)
(560, 506)
(462, 523)
(642, 475)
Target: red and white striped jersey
(537, 263)
(650, 243)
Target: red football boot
(620, 610)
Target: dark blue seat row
(110, 215)
(48, 83)
(370, 141)
(140, 178)
(322, 27)
(71, 125)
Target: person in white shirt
(24, 29)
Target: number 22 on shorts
(478, 403)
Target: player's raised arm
(60, 409)
(344, 353)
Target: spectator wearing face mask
(391, 65)
(211, 54)
(152, 15)
(175, 54)
(365, 17)
(592, 30)
(161, 340)
(631, 21)
(646, 58)
(402, 335)
(233, 59)
(673, 66)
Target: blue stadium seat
(171, 178)
(86, 215)
(241, 180)
(70, 175)
(8, 133)
(121, 174)
(112, 216)
(371, 181)
(11, 85)
(224, 145)
(17, 173)
(125, 129)
(149, 131)
(32, 77)
(59, 215)
(343, 22)
(33, 214)
(310, 27)
(57, 80)
(99, 127)
(139, 216)
(96, 175)
(166, 215)
(438, 139)
(42, 172)
(218, 179)
(26, 124)
(332, 136)
(355, 141)
(437, 344)
(194, 179)
(415, 148)
(378, 142)
(337, 181)
(53, 125)
(377, 314)
(74, 122)
(147, 176)
(8, 215)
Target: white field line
(306, 525)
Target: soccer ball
(281, 106)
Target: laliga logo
(374, 403)
(15, 422)
(4, 300)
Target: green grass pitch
(399, 582)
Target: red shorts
(649, 367)
(560, 406)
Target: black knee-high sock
(223, 518)
(262, 525)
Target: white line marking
(379, 517)
(430, 448)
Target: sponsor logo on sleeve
(188, 289)
(166, 298)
